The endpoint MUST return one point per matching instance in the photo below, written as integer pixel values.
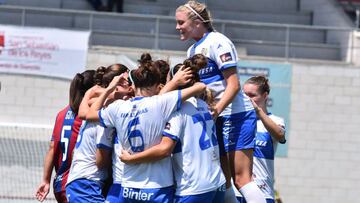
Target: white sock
(230, 196)
(252, 193)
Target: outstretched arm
(44, 187)
(155, 153)
(196, 89)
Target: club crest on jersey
(133, 108)
(167, 126)
(69, 115)
(204, 51)
(226, 57)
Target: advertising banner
(43, 51)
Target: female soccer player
(63, 139)
(87, 176)
(270, 131)
(114, 195)
(233, 111)
(139, 123)
(190, 136)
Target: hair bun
(145, 58)
(100, 71)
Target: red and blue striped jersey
(66, 130)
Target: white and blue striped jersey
(264, 153)
(139, 123)
(195, 157)
(91, 137)
(117, 164)
(221, 54)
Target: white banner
(43, 51)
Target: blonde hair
(196, 10)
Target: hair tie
(196, 13)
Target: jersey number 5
(65, 136)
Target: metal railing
(285, 37)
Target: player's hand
(214, 112)
(117, 80)
(125, 157)
(183, 76)
(42, 191)
(256, 107)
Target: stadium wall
(323, 154)
(330, 13)
(326, 12)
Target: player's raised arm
(92, 114)
(196, 89)
(88, 99)
(276, 131)
(181, 78)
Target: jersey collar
(198, 43)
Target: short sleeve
(281, 123)
(173, 128)
(104, 137)
(169, 102)
(107, 115)
(225, 54)
(57, 121)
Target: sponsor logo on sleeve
(167, 126)
(2, 41)
(226, 57)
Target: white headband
(196, 13)
(131, 77)
(172, 71)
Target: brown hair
(146, 75)
(104, 75)
(196, 62)
(78, 86)
(145, 58)
(164, 68)
(201, 10)
(261, 81)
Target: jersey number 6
(135, 137)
